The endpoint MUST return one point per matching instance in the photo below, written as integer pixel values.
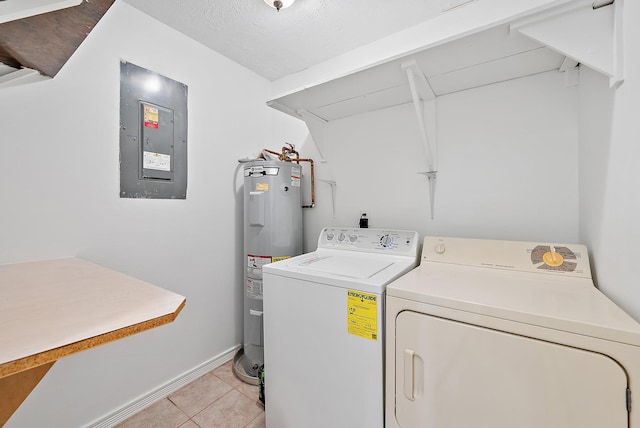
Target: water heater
(272, 232)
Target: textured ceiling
(275, 44)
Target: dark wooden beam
(7, 58)
(45, 42)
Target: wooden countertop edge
(52, 355)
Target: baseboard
(163, 391)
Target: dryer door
(452, 375)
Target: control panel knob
(341, 237)
(353, 238)
(330, 236)
(553, 259)
(386, 240)
(439, 249)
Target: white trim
(11, 11)
(19, 76)
(163, 391)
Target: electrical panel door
(153, 135)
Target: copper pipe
(313, 185)
(285, 157)
(286, 153)
(273, 153)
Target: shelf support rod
(424, 103)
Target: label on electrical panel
(262, 186)
(362, 314)
(157, 161)
(255, 263)
(150, 116)
(295, 176)
(254, 288)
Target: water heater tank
(272, 232)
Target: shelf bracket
(318, 129)
(587, 34)
(316, 125)
(424, 103)
(571, 70)
(334, 189)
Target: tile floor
(216, 399)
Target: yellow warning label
(262, 186)
(150, 116)
(362, 314)
(278, 258)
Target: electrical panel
(153, 135)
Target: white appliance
(324, 328)
(499, 334)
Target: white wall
(507, 166)
(610, 177)
(59, 196)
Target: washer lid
(350, 267)
(366, 272)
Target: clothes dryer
(324, 325)
(500, 334)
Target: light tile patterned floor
(216, 399)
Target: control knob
(386, 240)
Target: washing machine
(324, 328)
(501, 334)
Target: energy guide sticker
(362, 314)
